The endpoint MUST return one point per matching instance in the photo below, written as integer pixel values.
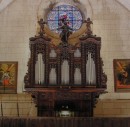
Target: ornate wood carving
(83, 96)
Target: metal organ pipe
(77, 76)
(90, 71)
(65, 73)
(77, 53)
(52, 53)
(36, 72)
(52, 79)
(39, 70)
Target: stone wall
(17, 105)
(112, 108)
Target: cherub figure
(41, 23)
(88, 24)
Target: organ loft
(65, 71)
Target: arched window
(64, 13)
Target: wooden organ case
(65, 79)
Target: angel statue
(66, 31)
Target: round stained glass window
(64, 13)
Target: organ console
(65, 79)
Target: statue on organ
(66, 31)
(64, 27)
(41, 23)
(88, 25)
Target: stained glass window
(64, 13)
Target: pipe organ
(65, 77)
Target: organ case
(65, 76)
